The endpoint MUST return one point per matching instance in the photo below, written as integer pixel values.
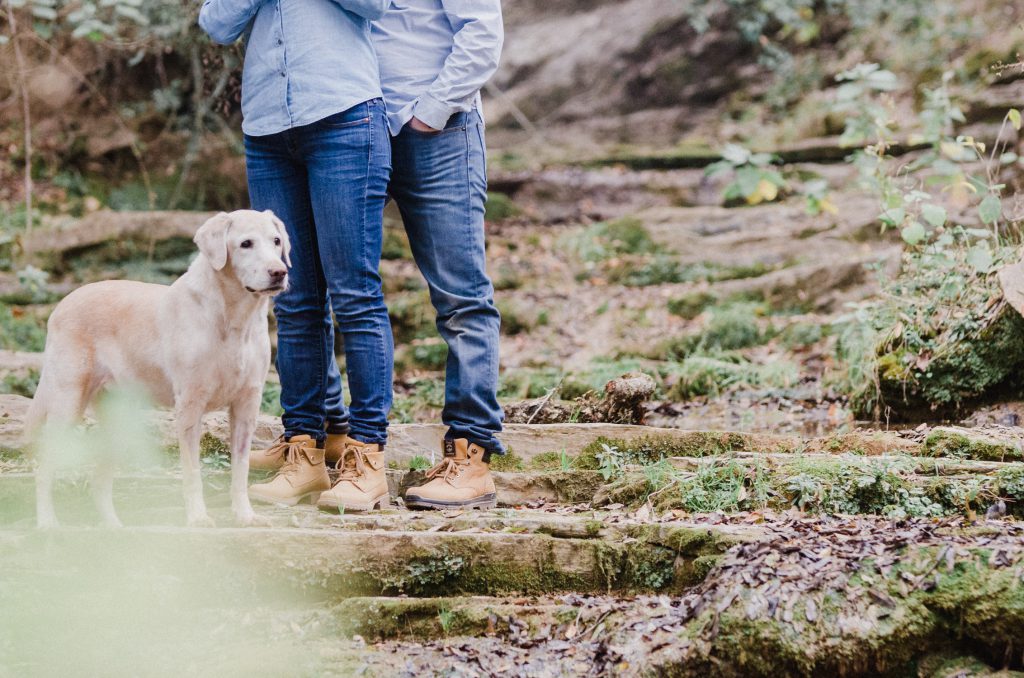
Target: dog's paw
(251, 519)
(47, 523)
(202, 520)
(112, 523)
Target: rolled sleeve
(473, 60)
(433, 112)
(225, 20)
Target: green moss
(946, 443)
(935, 341)
(576, 487)
(421, 618)
(593, 527)
(499, 207)
(412, 316)
(551, 461)
(20, 384)
(509, 461)
(212, 446)
(967, 370)
(431, 354)
(650, 449)
(691, 305)
(972, 606)
(514, 320)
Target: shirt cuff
(432, 111)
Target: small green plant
(754, 180)
(818, 200)
(861, 97)
(712, 374)
(20, 330)
(611, 462)
(446, 618)
(564, 460)
(33, 288)
(419, 463)
(607, 239)
(271, 400)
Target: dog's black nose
(277, 275)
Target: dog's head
(253, 244)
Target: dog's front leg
(103, 493)
(243, 421)
(46, 517)
(190, 428)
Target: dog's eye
(277, 241)
(246, 244)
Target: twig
(26, 112)
(544, 401)
(517, 112)
(201, 107)
(942, 556)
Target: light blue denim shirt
(305, 59)
(435, 55)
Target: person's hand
(421, 126)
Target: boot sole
(382, 502)
(487, 501)
(313, 497)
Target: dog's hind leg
(52, 407)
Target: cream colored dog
(198, 345)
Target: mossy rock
(949, 442)
(965, 371)
(971, 609)
(650, 449)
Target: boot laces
(352, 465)
(291, 456)
(449, 468)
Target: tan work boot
(303, 474)
(462, 479)
(362, 483)
(272, 458)
(334, 447)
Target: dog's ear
(286, 244)
(212, 238)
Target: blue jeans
(328, 182)
(439, 182)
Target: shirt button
(280, 41)
(283, 74)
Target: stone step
(333, 562)
(155, 497)
(525, 441)
(379, 618)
